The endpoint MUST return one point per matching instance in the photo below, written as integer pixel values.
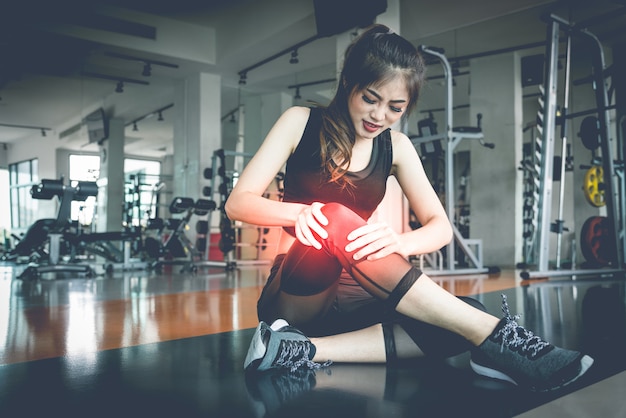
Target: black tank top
(307, 181)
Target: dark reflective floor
(201, 374)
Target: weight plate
(594, 186)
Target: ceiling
(61, 60)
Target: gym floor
(139, 343)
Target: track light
(242, 78)
(120, 87)
(294, 57)
(156, 112)
(43, 132)
(232, 118)
(297, 96)
(147, 70)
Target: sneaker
(514, 354)
(280, 346)
(275, 388)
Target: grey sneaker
(274, 388)
(514, 354)
(280, 346)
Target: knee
(341, 218)
(335, 210)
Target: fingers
(311, 220)
(316, 209)
(373, 241)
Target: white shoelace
(300, 350)
(517, 337)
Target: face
(376, 108)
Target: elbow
(448, 233)
(449, 236)
(230, 207)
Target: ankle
(488, 326)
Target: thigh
(301, 287)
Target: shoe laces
(295, 354)
(292, 385)
(517, 337)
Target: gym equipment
(228, 241)
(47, 240)
(177, 249)
(589, 133)
(594, 186)
(595, 242)
(449, 140)
(43, 240)
(543, 169)
(557, 226)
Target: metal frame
(229, 259)
(545, 149)
(452, 139)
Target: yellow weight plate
(594, 186)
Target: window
(22, 177)
(84, 168)
(143, 180)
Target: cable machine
(452, 137)
(544, 157)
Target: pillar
(197, 131)
(110, 201)
(197, 134)
(495, 182)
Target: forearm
(258, 210)
(429, 238)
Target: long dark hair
(378, 55)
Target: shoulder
(400, 141)
(296, 115)
(289, 126)
(403, 148)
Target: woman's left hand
(374, 241)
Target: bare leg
(428, 302)
(363, 346)
(367, 345)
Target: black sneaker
(280, 346)
(514, 354)
(275, 388)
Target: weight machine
(228, 229)
(544, 153)
(177, 248)
(44, 240)
(48, 241)
(451, 138)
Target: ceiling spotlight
(43, 132)
(294, 57)
(297, 96)
(242, 78)
(232, 118)
(119, 88)
(147, 70)
(135, 127)
(160, 119)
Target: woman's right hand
(310, 220)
